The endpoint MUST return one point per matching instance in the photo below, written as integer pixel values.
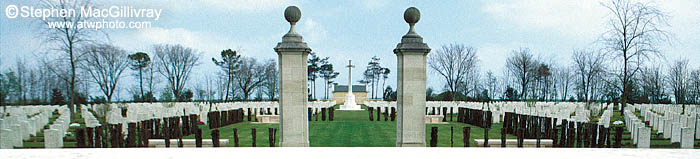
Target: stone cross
(350, 103)
(350, 66)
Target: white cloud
(684, 21)
(313, 31)
(207, 43)
(584, 21)
(493, 55)
(573, 18)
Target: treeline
(621, 66)
(590, 77)
(161, 74)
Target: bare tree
(44, 79)
(200, 92)
(635, 29)
(588, 67)
(678, 80)
(60, 68)
(523, 66)
(562, 80)
(492, 85)
(652, 82)
(21, 81)
(175, 62)
(67, 39)
(210, 91)
(105, 64)
(152, 80)
(695, 85)
(471, 84)
(249, 76)
(542, 80)
(271, 84)
(220, 87)
(454, 62)
(33, 84)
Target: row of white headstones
(19, 123)
(17, 127)
(137, 112)
(53, 136)
(561, 111)
(671, 121)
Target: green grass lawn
(351, 129)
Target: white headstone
(660, 125)
(5, 139)
(17, 133)
(635, 132)
(684, 121)
(687, 138)
(26, 129)
(697, 127)
(33, 126)
(668, 126)
(53, 138)
(676, 118)
(676, 132)
(644, 137)
(496, 117)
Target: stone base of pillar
(410, 144)
(292, 144)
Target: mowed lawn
(351, 129)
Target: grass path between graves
(351, 129)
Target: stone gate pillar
(411, 58)
(292, 55)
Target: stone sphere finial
(411, 15)
(292, 14)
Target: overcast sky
(360, 29)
